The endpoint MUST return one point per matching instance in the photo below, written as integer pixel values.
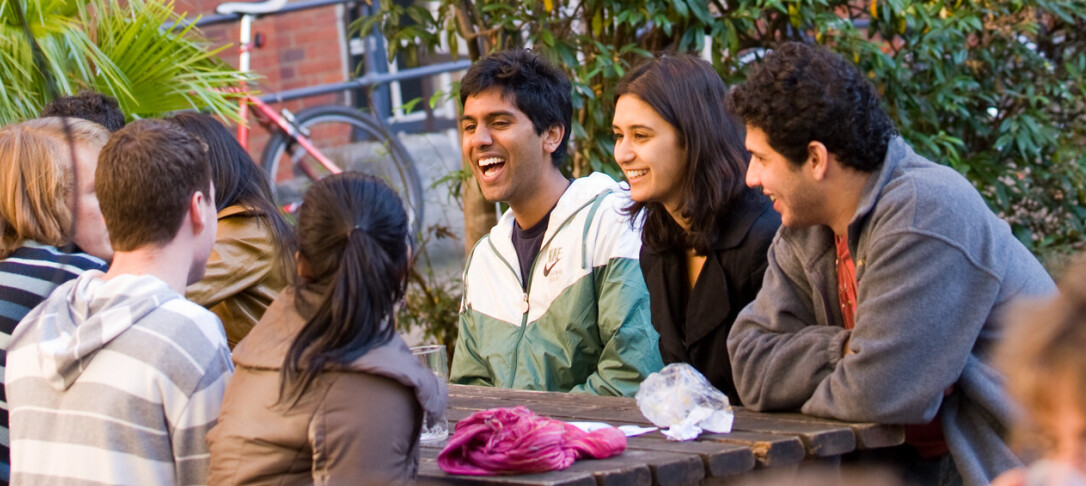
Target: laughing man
(554, 298)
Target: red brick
(292, 54)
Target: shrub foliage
(993, 88)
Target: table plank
(669, 468)
(719, 459)
(868, 435)
(819, 440)
(430, 473)
(632, 467)
(769, 449)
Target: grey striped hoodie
(115, 382)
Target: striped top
(115, 382)
(27, 276)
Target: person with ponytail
(325, 390)
(253, 250)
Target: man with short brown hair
(116, 378)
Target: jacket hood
(267, 344)
(586, 193)
(896, 151)
(580, 193)
(86, 314)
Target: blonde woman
(51, 227)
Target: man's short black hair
(539, 90)
(88, 105)
(801, 93)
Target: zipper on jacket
(524, 312)
(528, 278)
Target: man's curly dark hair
(803, 93)
(88, 105)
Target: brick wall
(301, 49)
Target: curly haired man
(887, 281)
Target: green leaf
(547, 37)
(409, 106)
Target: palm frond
(117, 48)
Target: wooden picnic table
(758, 441)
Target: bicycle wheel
(352, 141)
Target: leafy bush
(995, 89)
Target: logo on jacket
(552, 259)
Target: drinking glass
(435, 427)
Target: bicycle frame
(296, 145)
(266, 114)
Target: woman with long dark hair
(325, 390)
(705, 233)
(253, 254)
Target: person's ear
(819, 159)
(552, 137)
(197, 206)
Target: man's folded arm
(778, 353)
(922, 304)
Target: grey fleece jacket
(935, 269)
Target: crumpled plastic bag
(516, 440)
(680, 398)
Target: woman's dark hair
(539, 90)
(689, 95)
(239, 181)
(353, 235)
(803, 93)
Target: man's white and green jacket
(583, 324)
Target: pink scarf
(512, 440)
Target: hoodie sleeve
(778, 356)
(468, 367)
(200, 413)
(631, 347)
